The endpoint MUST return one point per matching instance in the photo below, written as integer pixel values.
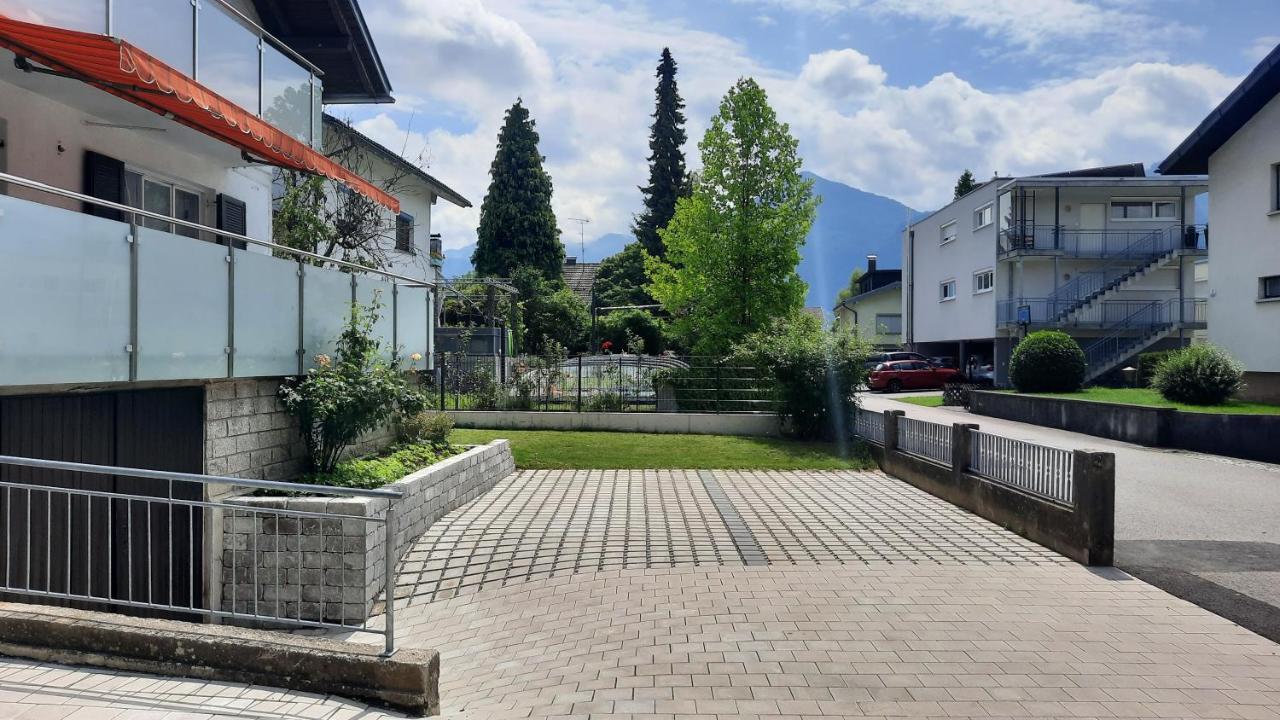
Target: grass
(567, 449)
(922, 400)
(1150, 398)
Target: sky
(896, 97)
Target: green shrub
(374, 472)
(623, 328)
(1148, 362)
(426, 428)
(1198, 375)
(1047, 361)
(812, 373)
(350, 394)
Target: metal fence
(1037, 469)
(927, 439)
(600, 383)
(69, 541)
(869, 426)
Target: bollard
(1094, 493)
(891, 430)
(961, 447)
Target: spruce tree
(667, 180)
(517, 227)
(965, 185)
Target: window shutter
(104, 179)
(232, 217)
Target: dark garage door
(127, 550)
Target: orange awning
(124, 70)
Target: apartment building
(1105, 254)
(1238, 145)
(875, 311)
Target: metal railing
(600, 383)
(71, 534)
(1141, 320)
(869, 425)
(157, 305)
(927, 439)
(1037, 469)
(1109, 314)
(1108, 243)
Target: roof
(581, 278)
(394, 158)
(1157, 181)
(863, 296)
(1253, 93)
(1127, 170)
(333, 36)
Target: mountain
(851, 224)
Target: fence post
(389, 583)
(961, 447)
(579, 383)
(441, 365)
(1094, 491)
(891, 429)
(717, 366)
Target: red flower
(606, 345)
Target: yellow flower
(415, 357)
(322, 360)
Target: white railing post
(389, 582)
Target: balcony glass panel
(65, 284)
(164, 28)
(413, 311)
(326, 307)
(286, 94)
(266, 315)
(85, 15)
(375, 288)
(182, 307)
(228, 57)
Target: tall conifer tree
(517, 227)
(666, 159)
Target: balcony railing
(87, 299)
(1109, 243)
(1111, 313)
(209, 41)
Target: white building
(1104, 254)
(1238, 144)
(875, 312)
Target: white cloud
(585, 70)
(1261, 47)
(765, 21)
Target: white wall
(861, 316)
(1245, 242)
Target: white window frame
(1200, 271)
(990, 275)
(1152, 201)
(1275, 188)
(174, 185)
(987, 212)
(942, 233)
(942, 294)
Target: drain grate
(748, 548)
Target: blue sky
(895, 97)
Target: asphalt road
(1203, 527)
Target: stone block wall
(248, 434)
(333, 569)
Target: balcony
(210, 42)
(1021, 240)
(91, 300)
(1188, 313)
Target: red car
(910, 375)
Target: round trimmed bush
(1047, 361)
(1198, 375)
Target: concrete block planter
(332, 569)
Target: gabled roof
(392, 157)
(333, 36)
(845, 303)
(1253, 93)
(581, 278)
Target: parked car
(910, 375)
(945, 361)
(875, 359)
(983, 375)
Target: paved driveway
(1204, 527)
(660, 594)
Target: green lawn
(560, 449)
(1151, 398)
(922, 400)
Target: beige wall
(885, 302)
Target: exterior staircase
(1069, 302)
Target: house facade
(1238, 145)
(874, 313)
(1106, 255)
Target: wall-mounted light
(61, 148)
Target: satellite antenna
(582, 245)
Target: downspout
(911, 287)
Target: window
(1269, 287)
(948, 232)
(984, 281)
(983, 216)
(1202, 271)
(887, 324)
(947, 291)
(162, 197)
(1275, 188)
(404, 232)
(1144, 210)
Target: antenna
(582, 245)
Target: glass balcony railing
(209, 41)
(88, 300)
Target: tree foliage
(517, 227)
(851, 289)
(734, 245)
(965, 185)
(667, 180)
(621, 280)
(550, 312)
(633, 331)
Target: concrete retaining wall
(758, 425)
(333, 569)
(1252, 437)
